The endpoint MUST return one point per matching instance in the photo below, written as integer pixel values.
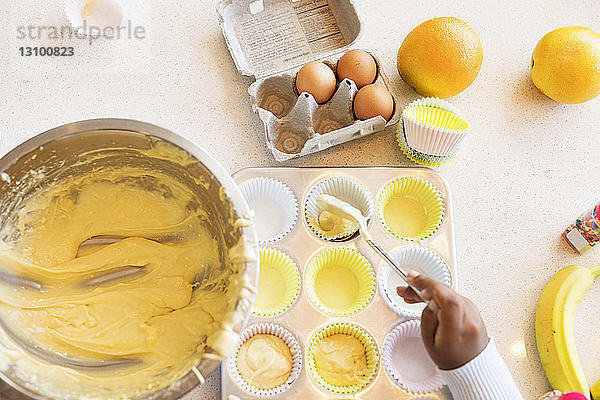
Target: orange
(565, 64)
(440, 57)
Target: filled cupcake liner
(418, 157)
(287, 337)
(357, 264)
(421, 190)
(291, 276)
(278, 192)
(359, 333)
(421, 133)
(346, 189)
(74, 9)
(408, 329)
(416, 258)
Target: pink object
(572, 396)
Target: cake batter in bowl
(127, 263)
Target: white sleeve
(486, 377)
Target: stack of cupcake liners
(432, 132)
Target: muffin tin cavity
(406, 361)
(275, 208)
(339, 300)
(278, 284)
(274, 345)
(328, 226)
(351, 348)
(415, 258)
(410, 208)
(339, 282)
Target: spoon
(347, 211)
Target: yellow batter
(341, 360)
(265, 361)
(331, 225)
(336, 287)
(177, 310)
(405, 215)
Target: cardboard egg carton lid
(266, 37)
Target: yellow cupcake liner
(372, 356)
(434, 127)
(357, 264)
(290, 275)
(425, 193)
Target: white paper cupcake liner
(346, 189)
(113, 13)
(429, 139)
(406, 361)
(418, 157)
(288, 339)
(275, 208)
(415, 258)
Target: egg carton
(271, 40)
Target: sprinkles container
(585, 232)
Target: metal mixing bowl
(59, 153)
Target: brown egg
(359, 66)
(373, 100)
(317, 79)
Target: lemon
(565, 64)
(441, 57)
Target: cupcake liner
(371, 353)
(421, 158)
(289, 281)
(415, 258)
(406, 361)
(356, 264)
(346, 189)
(106, 13)
(275, 208)
(433, 126)
(420, 190)
(288, 339)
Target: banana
(595, 390)
(554, 320)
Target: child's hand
(451, 326)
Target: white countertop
(527, 171)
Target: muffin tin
(304, 320)
(271, 40)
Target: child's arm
(457, 341)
